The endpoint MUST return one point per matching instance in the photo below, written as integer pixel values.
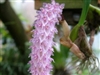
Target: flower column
(42, 41)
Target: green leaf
(84, 12)
(74, 32)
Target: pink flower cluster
(42, 41)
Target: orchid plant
(42, 39)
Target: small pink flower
(42, 40)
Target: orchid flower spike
(42, 41)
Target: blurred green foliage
(11, 61)
(60, 57)
(13, 64)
